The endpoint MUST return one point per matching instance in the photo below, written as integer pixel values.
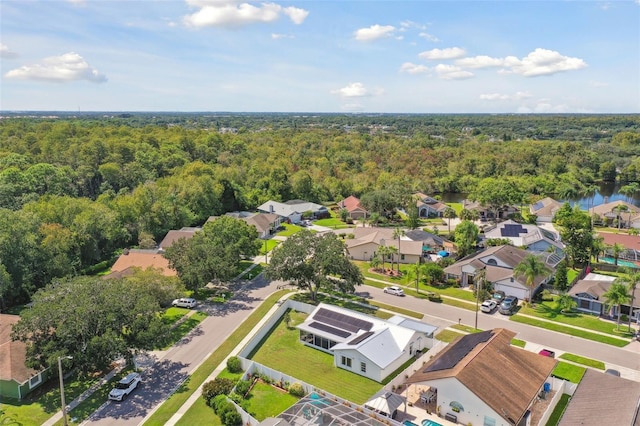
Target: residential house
(174, 235)
(499, 263)
(363, 344)
(352, 205)
(367, 241)
(603, 399)
(609, 213)
(487, 213)
(631, 244)
(143, 259)
(431, 243)
(429, 206)
(545, 209)
(530, 237)
(16, 379)
(292, 210)
(481, 379)
(265, 223)
(588, 294)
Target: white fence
(398, 381)
(561, 387)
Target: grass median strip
(175, 401)
(584, 361)
(570, 331)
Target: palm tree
(597, 247)
(398, 233)
(449, 213)
(383, 251)
(616, 295)
(616, 249)
(416, 272)
(566, 302)
(393, 251)
(631, 279)
(530, 268)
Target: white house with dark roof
(362, 344)
(367, 241)
(530, 237)
(293, 210)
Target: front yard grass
(268, 245)
(289, 230)
(584, 361)
(519, 343)
(175, 401)
(569, 372)
(332, 222)
(266, 401)
(570, 331)
(282, 351)
(182, 329)
(448, 336)
(550, 310)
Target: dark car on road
(508, 305)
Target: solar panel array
(361, 337)
(512, 230)
(453, 356)
(329, 329)
(339, 320)
(538, 205)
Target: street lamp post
(64, 405)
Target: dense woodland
(76, 189)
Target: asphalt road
(159, 381)
(163, 377)
(443, 315)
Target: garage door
(518, 292)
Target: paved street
(167, 374)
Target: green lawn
(172, 315)
(175, 401)
(584, 361)
(466, 328)
(282, 351)
(182, 329)
(519, 343)
(551, 311)
(266, 401)
(332, 222)
(570, 331)
(199, 414)
(570, 372)
(448, 335)
(571, 274)
(559, 410)
(270, 245)
(289, 230)
(457, 207)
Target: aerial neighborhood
(195, 300)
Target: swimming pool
(409, 423)
(620, 262)
(427, 422)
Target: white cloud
(543, 62)
(595, 83)
(356, 90)
(67, 67)
(481, 61)
(505, 97)
(452, 72)
(410, 24)
(429, 37)
(6, 53)
(439, 54)
(374, 32)
(412, 68)
(228, 13)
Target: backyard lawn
(267, 401)
(282, 351)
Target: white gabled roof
(420, 326)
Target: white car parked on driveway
(488, 306)
(185, 302)
(394, 289)
(124, 387)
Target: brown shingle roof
(262, 221)
(12, 354)
(173, 236)
(602, 399)
(143, 259)
(351, 203)
(545, 207)
(505, 377)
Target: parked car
(612, 372)
(547, 352)
(498, 296)
(184, 302)
(508, 305)
(488, 306)
(394, 289)
(125, 386)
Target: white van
(184, 302)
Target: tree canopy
(313, 263)
(95, 321)
(214, 253)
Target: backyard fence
(398, 381)
(561, 387)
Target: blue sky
(321, 56)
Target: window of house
(346, 361)
(363, 367)
(584, 304)
(492, 262)
(489, 421)
(402, 257)
(35, 381)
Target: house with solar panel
(498, 264)
(545, 209)
(363, 344)
(529, 237)
(481, 379)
